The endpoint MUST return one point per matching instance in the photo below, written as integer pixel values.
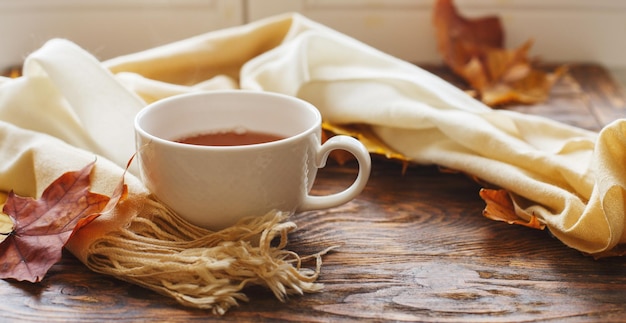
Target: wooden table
(414, 247)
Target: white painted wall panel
(563, 30)
(108, 28)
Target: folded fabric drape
(571, 179)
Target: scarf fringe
(204, 269)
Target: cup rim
(145, 110)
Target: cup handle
(359, 151)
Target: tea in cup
(215, 157)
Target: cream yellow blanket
(571, 179)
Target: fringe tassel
(200, 268)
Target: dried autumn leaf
(459, 39)
(339, 156)
(42, 227)
(473, 49)
(500, 207)
(366, 136)
(13, 72)
(6, 225)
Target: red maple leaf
(42, 227)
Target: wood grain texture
(414, 246)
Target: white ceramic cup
(215, 186)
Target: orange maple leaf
(473, 49)
(42, 227)
(500, 207)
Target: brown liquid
(230, 138)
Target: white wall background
(108, 28)
(563, 30)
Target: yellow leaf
(6, 224)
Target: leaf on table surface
(500, 207)
(12, 72)
(41, 227)
(474, 50)
(366, 136)
(6, 225)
